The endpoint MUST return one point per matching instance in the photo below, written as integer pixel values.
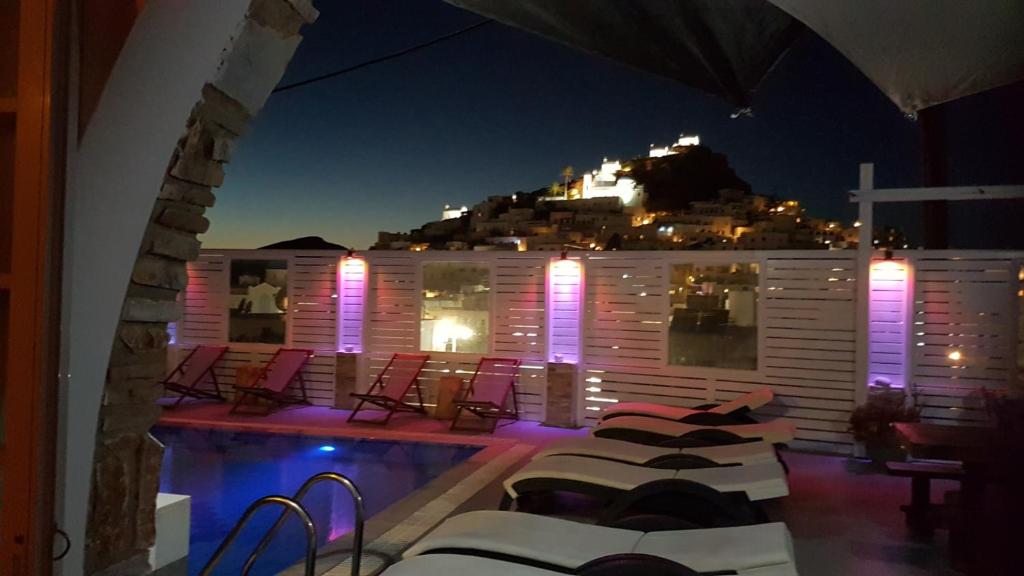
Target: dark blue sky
(499, 110)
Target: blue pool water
(225, 471)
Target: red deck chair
(389, 389)
(489, 390)
(192, 371)
(279, 372)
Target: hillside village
(677, 197)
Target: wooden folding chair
(388, 391)
(190, 373)
(489, 390)
(278, 373)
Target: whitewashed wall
(517, 318)
(311, 314)
(806, 328)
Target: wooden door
(29, 255)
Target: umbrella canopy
(918, 52)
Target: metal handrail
(357, 537)
(288, 504)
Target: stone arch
(126, 462)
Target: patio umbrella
(918, 52)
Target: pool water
(224, 471)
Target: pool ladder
(292, 505)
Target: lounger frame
(693, 439)
(697, 504)
(280, 398)
(386, 403)
(194, 391)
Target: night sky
(499, 110)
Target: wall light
(889, 285)
(955, 356)
(352, 284)
(564, 304)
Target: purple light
(351, 299)
(564, 302)
(887, 319)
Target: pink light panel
(564, 304)
(887, 321)
(352, 277)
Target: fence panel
(966, 333)
(806, 338)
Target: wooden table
(942, 442)
(974, 446)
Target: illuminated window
(258, 301)
(714, 316)
(455, 307)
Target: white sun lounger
(448, 564)
(661, 432)
(563, 544)
(703, 497)
(661, 457)
(761, 481)
(708, 414)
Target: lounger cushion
(449, 564)
(571, 544)
(650, 409)
(546, 539)
(711, 549)
(640, 454)
(750, 401)
(778, 431)
(759, 481)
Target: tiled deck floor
(844, 516)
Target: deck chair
(284, 368)
(735, 411)
(661, 432)
(564, 545)
(489, 390)
(388, 391)
(659, 456)
(192, 371)
(703, 497)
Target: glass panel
(714, 316)
(456, 307)
(258, 301)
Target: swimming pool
(224, 471)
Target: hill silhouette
(672, 182)
(304, 243)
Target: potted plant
(871, 423)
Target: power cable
(380, 59)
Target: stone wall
(562, 399)
(126, 469)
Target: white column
(864, 249)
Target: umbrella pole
(935, 169)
